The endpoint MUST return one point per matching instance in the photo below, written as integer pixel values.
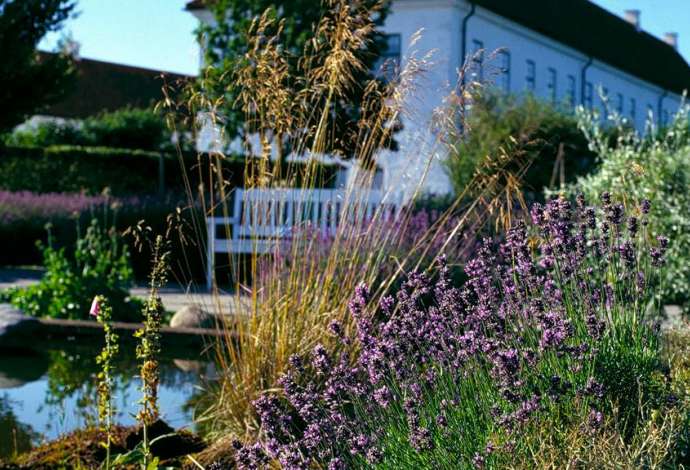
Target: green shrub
(45, 134)
(130, 128)
(654, 167)
(523, 129)
(99, 266)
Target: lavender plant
(101, 310)
(454, 377)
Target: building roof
(602, 35)
(104, 86)
(195, 5)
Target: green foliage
(629, 366)
(148, 349)
(522, 129)
(67, 168)
(654, 167)
(30, 81)
(132, 128)
(45, 134)
(128, 128)
(99, 266)
(100, 308)
(229, 40)
(82, 169)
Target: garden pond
(49, 391)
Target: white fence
(262, 217)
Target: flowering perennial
(446, 376)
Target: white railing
(262, 217)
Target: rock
(14, 324)
(189, 366)
(192, 316)
(168, 442)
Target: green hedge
(91, 169)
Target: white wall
(441, 24)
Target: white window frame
(478, 59)
(572, 90)
(552, 84)
(589, 91)
(505, 70)
(531, 77)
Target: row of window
(503, 81)
(392, 55)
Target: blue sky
(158, 34)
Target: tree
(229, 39)
(29, 80)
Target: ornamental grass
(304, 284)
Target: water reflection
(51, 392)
(15, 437)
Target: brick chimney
(671, 39)
(633, 17)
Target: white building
(560, 50)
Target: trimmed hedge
(68, 168)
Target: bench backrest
(270, 213)
(260, 217)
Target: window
(504, 57)
(619, 103)
(589, 89)
(477, 60)
(551, 85)
(531, 78)
(571, 90)
(389, 59)
(633, 110)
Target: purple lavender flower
(605, 199)
(336, 464)
(594, 389)
(645, 206)
(320, 359)
(595, 419)
(420, 439)
(383, 396)
(336, 328)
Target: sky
(159, 34)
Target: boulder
(192, 316)
(14, 324)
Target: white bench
(263, 217)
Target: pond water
(50, 391)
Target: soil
(83, 449)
